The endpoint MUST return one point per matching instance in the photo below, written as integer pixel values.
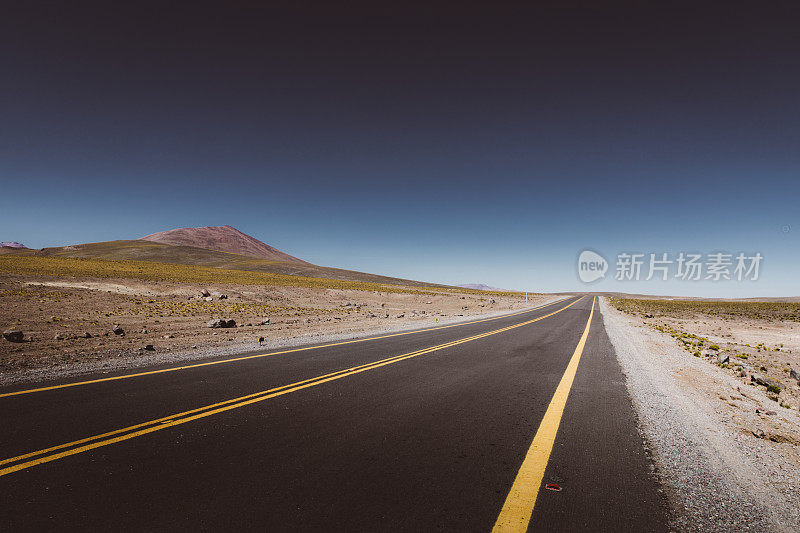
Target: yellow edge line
(244, 358)
(517, 510)
(202, 412)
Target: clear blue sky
(457, 146)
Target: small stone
(58, 337)
(86, 335)
(13, 335)
(723, 358)
(794, 375)
(149, 348)
(264, 322)
(401, 315)
(205, 293)
(208, 298)
(118, 330)
(168, 336)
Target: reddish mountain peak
(223, 238)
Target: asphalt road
(454, 428)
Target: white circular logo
(591, 266)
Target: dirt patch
(68, 322)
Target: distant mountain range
(12, 245)
(480, 287)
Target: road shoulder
(717, 477)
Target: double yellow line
(258, 356)
(60, 451)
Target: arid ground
(68, 317)
(715, 386)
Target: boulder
(221, 323)
(794, 375)
(723, 358)
(13, 335)
(765, 381)
(205, 293)
(118, 330)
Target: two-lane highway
(457, 427)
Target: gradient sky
(448, 142)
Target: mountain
(12, 245)
(479, 287)
(215, 247)
(223, 239)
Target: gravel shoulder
(725, 463)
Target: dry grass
(28, 265)
(710, 329)
(770, 311)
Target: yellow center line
(256, 356)
(515, 516)
(208, 410)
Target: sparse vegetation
(711, 318)
(726, 310)
(29, 265)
